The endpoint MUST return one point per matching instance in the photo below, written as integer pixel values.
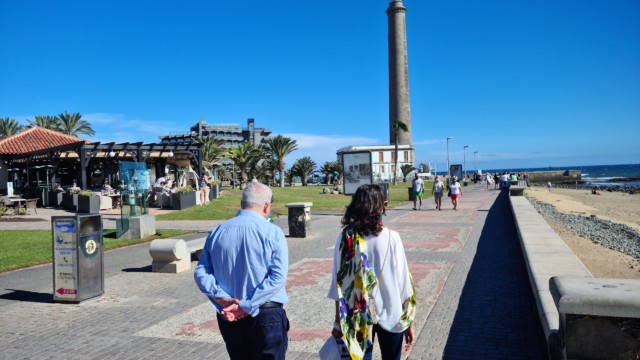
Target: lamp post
(465, 162)
(475, 169)
(448, 166)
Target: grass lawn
(22, 248)
(226, 206)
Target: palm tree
(327, 171)
(212, 150)
(281, 146)
(72, 124)
(337, 169)
(397, 126)
(304, 167)
(46, 121)
(331, 170)
(245, 156)
(406, 170)
(289, 175)
(269, 167)
(9, 127)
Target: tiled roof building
(36, 139)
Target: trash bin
(78, 257)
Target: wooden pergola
(37, 147)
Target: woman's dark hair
(365, 211)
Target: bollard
(299, 218)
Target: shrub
(184, 189)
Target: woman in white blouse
(378, 298)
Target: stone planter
(184, 200)
(214, 193)
(89, 204)
(55, 198)
(70, 202)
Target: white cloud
(118, 128)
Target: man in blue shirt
(242, 270)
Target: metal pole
(465, 162)
(474, 162)
(448, 164)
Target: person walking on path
(549, 185)
(437, 192)
(456, 192)
(418, 191)
(378, 298)
(242, 271)
(488, 180)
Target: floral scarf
(355, 284)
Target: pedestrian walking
(242, 271)
(456, 192)
(488, 180)
(437, 192)
(418, 191)
(549, 185)
(378, 298)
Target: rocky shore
(585, 186)
(602, 229)
(618, 237)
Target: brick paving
(473, 295)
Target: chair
(31, 204)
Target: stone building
(232, 134)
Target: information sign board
(65, 282)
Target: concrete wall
(555, 176)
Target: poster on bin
(64, 259)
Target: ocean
(595, 175)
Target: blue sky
(523, 83)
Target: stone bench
(597, 317)
(299, 218)
(516, 190)
(174, 255)
(546, 255)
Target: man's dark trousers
(260, 337)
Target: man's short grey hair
(255, 195)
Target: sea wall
(555, 176)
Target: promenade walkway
(474, 300)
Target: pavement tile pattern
(474, 301)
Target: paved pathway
(473, 295)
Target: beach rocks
(614, 236)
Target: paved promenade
(474, 300)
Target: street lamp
(465, 162)
(448, 171)
(475, 169)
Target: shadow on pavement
(31, 296)
(496, 316)
(140, 269)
